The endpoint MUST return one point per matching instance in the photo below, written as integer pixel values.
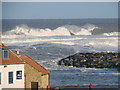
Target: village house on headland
(18, 71)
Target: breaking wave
(79, 38)
(112, 34)
(66, 30)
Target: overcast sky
(59, 10)
(60, 0)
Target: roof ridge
(16, 55)
(3, 46)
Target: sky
(59, 10)
(60, 0)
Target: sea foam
(80, 38)
(66, 30)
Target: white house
(21, 72)
(11, 69)
(12, 76)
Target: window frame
(9, 78)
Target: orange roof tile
(13, 59)
(34, 64)
(3, 46)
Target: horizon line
(61, 18)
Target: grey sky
(60, 0)
(59, 10)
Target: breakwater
(92, 60)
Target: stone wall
(33, 75)
(45, 80)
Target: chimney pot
(18, 52)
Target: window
(0, 77)
(19, 74)
(10, 77)
(5, 54)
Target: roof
(13, 59)
(34, 64)
(3, 46)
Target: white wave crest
(24, 30)
(82, 39)
(112, 34)
(67, 30)
(84, 30)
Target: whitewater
(66, 35)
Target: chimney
(18, 53)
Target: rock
(92, 60)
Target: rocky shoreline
(92, 60)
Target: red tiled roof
(3, 46)
(34, 64)
(13, 59)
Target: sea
(49, 40)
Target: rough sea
(49, 40)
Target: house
(18, 71)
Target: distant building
(18, 71)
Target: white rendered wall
(17, 83)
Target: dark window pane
(19, 74)
(5, 54)
(10, 77)
(0, 77)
